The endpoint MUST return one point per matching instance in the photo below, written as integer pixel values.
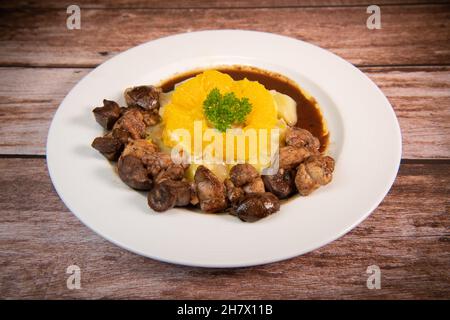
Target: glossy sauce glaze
(308, 112)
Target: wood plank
(408, 237)
(417, 34)
(420, 97)
(421, 100)
(140, 4)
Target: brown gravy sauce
(308, 112)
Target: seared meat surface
(109, 146)
(182, 189)
(255, 186)
(210, 191)
(290, 157)
(280, 184)
(121, 134)
(107, 115)
(131, 122)
(146, 97)
(150, 118)
(316, 171)
(133, 172)
(301, 138)
(172, 172)
(256, 206)
(140, 148)
(242, 174)
(194, 198)
(157, 165)
(168, 194)
(234, 194)
(161, 198)
(156, 162)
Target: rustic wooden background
(407, 236)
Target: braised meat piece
(161, 198)
(290, 157)
(146, 97)
(210, 191)
(256, 206)
(151, 118)
(121, 134)
(255, 186)
(131, 122)
(140, 148)
(234, 194)
(107, 115)
(108, 146)
(194, 198)
(242, 174)
(280, 184)
(173, 172)
(168, 194)
(316, 171)
(156, 162)
(301, 138)
(133, 172)
(182, 189)
(159, 165)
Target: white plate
(365, 141)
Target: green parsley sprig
(225, 110)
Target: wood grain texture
(420, 97)
(177, 4)
(39, 37)
(408, 236)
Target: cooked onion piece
(286, 107)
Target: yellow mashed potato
(186, 106)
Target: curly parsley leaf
(225, 110)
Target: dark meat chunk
(173, 172)
(280, 184)
(133, 172)
(122, 135)
(146, 97)
(256, 206)
(132, 121)
(242, 174)
(194, 198)
(161, 198)
(301, 138)
(291, 157)
(159, 165)
(255, 186)
(156, 162)
(151, 118)
(168, 194)
(140, 148)
(107, 115)
(313, 173)
(210, 191)
(234, 194)
(108, 146)
(182, 190)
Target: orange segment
(186, 105)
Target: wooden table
(407, 236)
